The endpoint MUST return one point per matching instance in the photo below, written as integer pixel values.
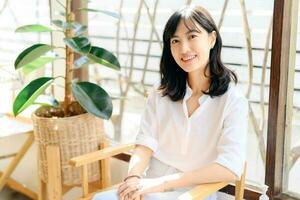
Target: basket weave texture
(76, 135)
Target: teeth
(188, 58)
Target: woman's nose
(184, 47)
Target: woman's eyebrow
(192, 31)
(188, 32)
(174, 36)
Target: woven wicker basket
(75, 136)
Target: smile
(188, 58)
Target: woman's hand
(128, 187)
(135, 188)
(149, 185)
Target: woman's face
(190, 48)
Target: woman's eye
(193, 36)
(174, 41)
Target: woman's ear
(213, 38)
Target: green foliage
(29, 94)
(33, 28)
(36, 64)
(103, 57)
(78, 44)
(93, 99)
(30, 54)
(90, 96)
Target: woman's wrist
(166, 187)
(132, 176)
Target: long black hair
(173, 78)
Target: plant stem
(69, 59)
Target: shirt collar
(189, 92)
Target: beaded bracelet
(131, 176)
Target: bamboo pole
(249, 47)
(222, 14)
(152, 21)
(118, 119)
(149, 44)
(69, 59)
(263, 74)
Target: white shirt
(215, 132)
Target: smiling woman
(192, 43)
(190, 46)
(194, 127)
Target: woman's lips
(188, 58)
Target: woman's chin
(190, 69)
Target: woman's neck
(198, 82)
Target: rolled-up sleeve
(232, 142)
(147, 135)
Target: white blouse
(215, 132)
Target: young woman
(194, 126)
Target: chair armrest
(202, 191)
(100, 155)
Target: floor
(8, 194)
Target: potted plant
(75, 126)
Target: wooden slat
(99, 155)
(15, 161)
(280, 62)
(105, 167)
(42, 189)
(8, 156)
(16, 186)
(85, 181)
(248, 194)
(273, 139)
(240, 185)
(54, 186)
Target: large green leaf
(28, 95)
(104, 57)
(112, 14)
(31, 53)
(36, 64)
(79, 44)
(33, 28)
(93, 99)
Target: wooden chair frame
(197, 193)
(54, 189)
(5, 176)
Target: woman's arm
(137, 165)
(139, 160)
(209, 174)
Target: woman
(194, 127)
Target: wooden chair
(11, 126)
(197, 193)
(55, 189)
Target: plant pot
(75, 136)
